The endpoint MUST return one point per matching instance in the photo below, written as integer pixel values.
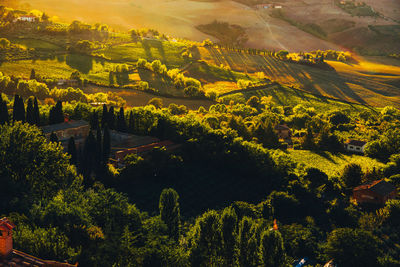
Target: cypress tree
(36, 114)
(271, 247)
(104, 116)
(111, 78)
(72, 151)
(56, 114)
(29, 112)
(33, 75)
(89, 155)
(53, 137)
(106, 145)
(94, 121)
(111, 118)
(121, 124)
(18, 109)
(3, 112)
(131, 123)
(99, 156)
(170, 212)
(229, 223)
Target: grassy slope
(330, 163)
(352, 83)
(285, 96)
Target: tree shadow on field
(147, 49)
(82, 63)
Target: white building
(27, 18)
(355, 146)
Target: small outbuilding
(376, 192)
(355, 146)
(283, 132)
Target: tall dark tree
(36, 113)
(111, 118)
(53, 137)
(131, 123)
(94, 121)
(72, 151)
(89, 156)
(170, 211)
(352, 174)
(106, 144)
(111, 78)
(30, 112)
(229, 224)
(56, 114)
(271, 247)
(18, 109)
(104, 116)
(99, 144)
(3, 112)
(121, 123)
(33, 75)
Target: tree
(352, 175)
(247, 243)
(30, 112)
(121, 123)
(53, 137)
(72, 151)
(157, 102)
(352, 247)
(104, 116)
(229, 234)
(3, 112)
(18, 109)
(106, 145)
(391, 213)
(33, 75)
(131, 123)
(89, 156)
(271, 247)
(111, 78)
(94, 121)
(266, 135)
(99, 150)
(36, 113)
(56, 114)
(308, 140)
(170, 212)
(111, 118)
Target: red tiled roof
(281, 127)
(6, 223)
(380, 187)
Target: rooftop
(21, 259)
(381, 187)
(281, 127)
(356, 143)
(63, 126)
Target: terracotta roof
(63, 126)
(281, 127)
(381, 187)
(356, 143)
(6, 223)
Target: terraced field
(365, 82)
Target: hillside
(298, 26)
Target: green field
(332, 164)
(61, 67)
(168, 52)
(36, 44)
(286, 96)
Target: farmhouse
(27, 18)
(70, 128)
(283, 132)
(12, 257)
(70, 83)
(377, 192)
(262, 6)
(355, 146)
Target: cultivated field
(365, 82)
(330, 163)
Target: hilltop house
(355, 146)
(12, 257)
(376, 192)
(27, 18)
(69, 83)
